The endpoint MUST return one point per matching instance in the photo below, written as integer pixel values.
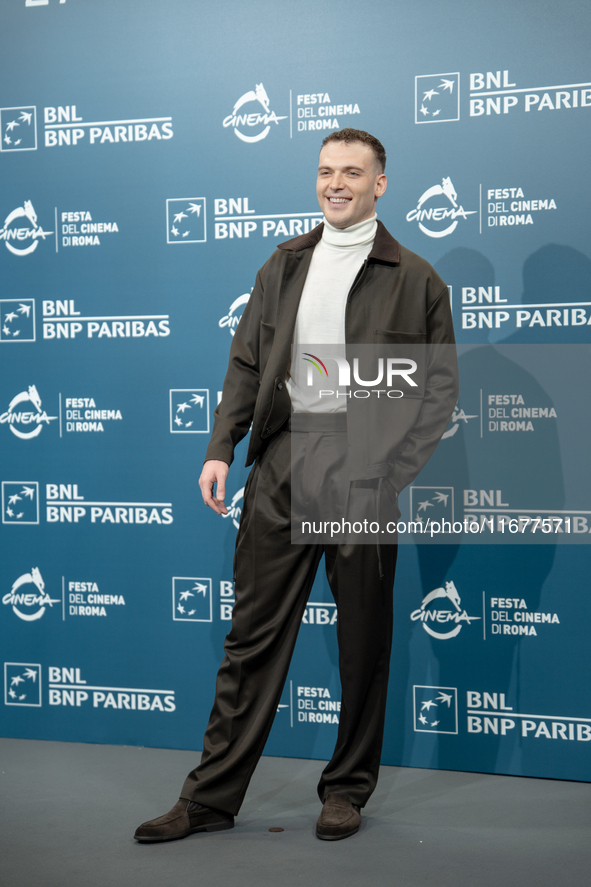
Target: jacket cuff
(220, 453)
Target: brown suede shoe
(339, 818)
(185, 818)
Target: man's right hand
(214, 472)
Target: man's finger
(214, 475)
(220, 495)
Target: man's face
(349, 183)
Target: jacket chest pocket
(396, 337)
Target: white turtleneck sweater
(335, 263)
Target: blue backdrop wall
(152, 155)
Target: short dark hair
(359, 135)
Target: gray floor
(69, 812)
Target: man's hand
(214, 472)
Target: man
(345, 282)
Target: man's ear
(381, 185)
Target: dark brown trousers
(273, 582)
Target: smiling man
(345, 282)
(351, 178)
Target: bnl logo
(432, 503)
(191, 599)
(189, 410)
(437, 98)
(22, 683)
(20, 502)
(185, 220)
(17, 320)
(435, 709)
(18, 128)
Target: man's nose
(336, 182)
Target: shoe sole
(336, 837)
(212, 827)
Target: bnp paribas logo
(17, 320)
(18, 128)
(185, 220)
(20, 502)
(191, 599)
(437, 98)
(22, 684)
(189, 410)
(435, 709)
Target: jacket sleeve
(233, 415)
(441, 395)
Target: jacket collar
(385, 248)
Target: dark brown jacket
(397, 298)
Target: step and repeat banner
(152, 155)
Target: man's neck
(355, 235)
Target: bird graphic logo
(437, 98)
(191, 599)
(17, 320)
(439, 499)
(185, 220)
(435, 709)
(22, 683)
(20, 502)
(189, 410)
(18, 129)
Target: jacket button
(280, 386)
(268, 431)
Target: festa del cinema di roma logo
(25, 418)
(235, 507)
(437, 617)
(33, 603)
(252, 117)
(231, 320)
(435, 220)
(20, 227)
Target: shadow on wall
(555, 274)
(466, 267)
(533, 480)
